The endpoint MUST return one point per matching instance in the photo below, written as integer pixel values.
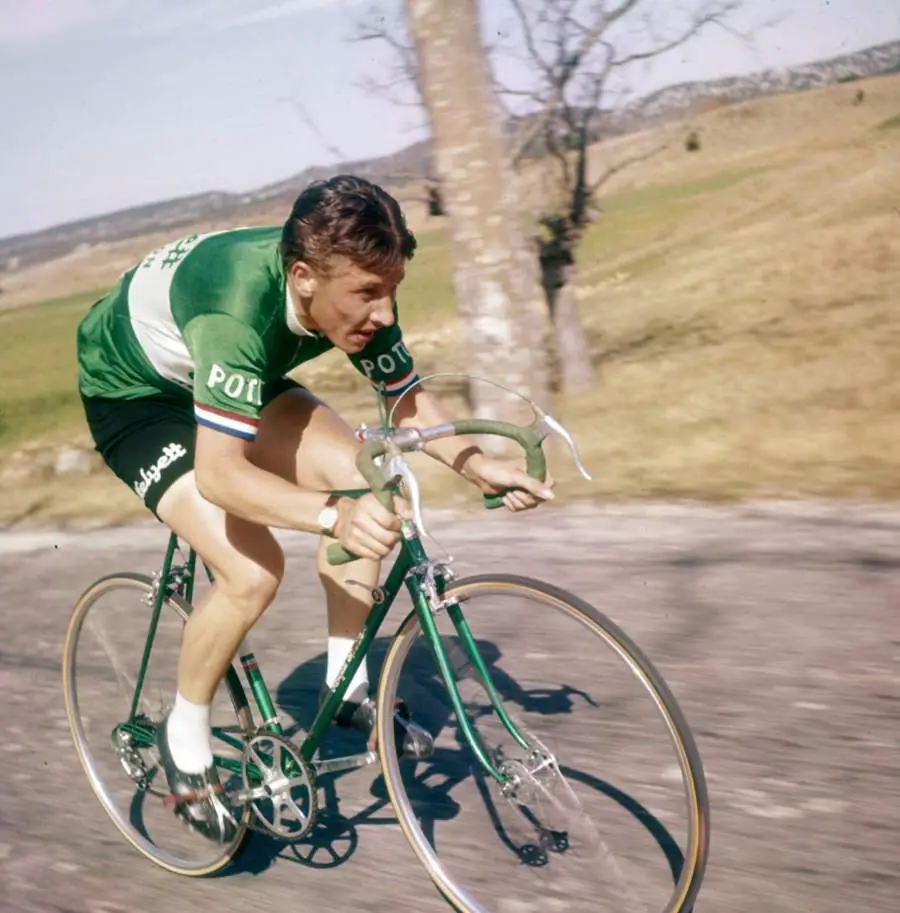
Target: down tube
(432, 635)
(380, 608)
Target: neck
(300, 307)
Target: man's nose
(383, 314)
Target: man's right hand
(367, 528)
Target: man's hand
(492, 476)
(367, 528)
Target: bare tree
(400, 84)
(385, 24)
(577, 54)
(498, 305)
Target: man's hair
(351, 217)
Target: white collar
(290, 315)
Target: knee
(251, 585)
(341, 471)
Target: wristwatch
(327, 518)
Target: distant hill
(676, 100)
(411, 162)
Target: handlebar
(390, 445)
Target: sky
(106, 104)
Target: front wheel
(603, 803)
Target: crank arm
(243, 796)
(260, 792)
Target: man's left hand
(492, 476)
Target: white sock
(189, 736)
(338, 650)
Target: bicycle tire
(696, 853)
(237, 695)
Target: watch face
(328, 517)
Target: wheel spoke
(102, 654)
(580, 830)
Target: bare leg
(247, 564)
(305, 442)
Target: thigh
(300, 439)
(148, 443)
(303, 440)
(243, 556)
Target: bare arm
(420, 409)
(465, 457)
(227, 478)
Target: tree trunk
(504, 318)
(559, 280)
(576, 370)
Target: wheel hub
(130, 758)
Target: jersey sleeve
(386, 360)
(229, 374)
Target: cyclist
(182, 374)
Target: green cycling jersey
(208, 318)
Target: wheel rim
(694, 845)
(143, 820)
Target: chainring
(280, 786)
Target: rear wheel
(607, 807)
(102, 653)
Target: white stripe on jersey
(151, 312)
(396, 385)
(242, 427)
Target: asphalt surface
(777, 628)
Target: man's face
(348, 303)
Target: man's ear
(303, 277)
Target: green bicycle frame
(180, 580)
(405, 570)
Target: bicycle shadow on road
(334, 838)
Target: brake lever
(398, 468)
(547, 425)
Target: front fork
(427, 591)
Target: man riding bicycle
(183, 376)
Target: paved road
(777, 629)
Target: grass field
(741, 304)
(37, 375)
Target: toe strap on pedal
(188, 798)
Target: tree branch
(714, 17)
(625, 163)
(306, 118)
(615, 15)
(568, 65)
(528, 35)
(377, 29)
